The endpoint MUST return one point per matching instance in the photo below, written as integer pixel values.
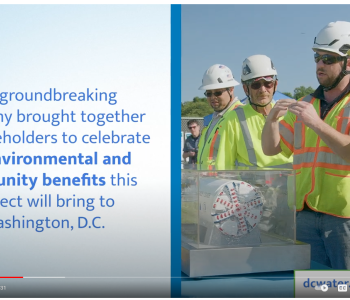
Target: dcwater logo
(321, 284)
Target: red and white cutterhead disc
(237, 208)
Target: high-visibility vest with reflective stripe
(322, 177)
(241, 142)
(208, 145)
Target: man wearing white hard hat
(219, 84)
(316, 129)
(241, 137)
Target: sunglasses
(256, 85)
(327, 59)
(192, 127)
(216, 94)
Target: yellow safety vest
(240, 143)
(322, 177)
(208, 148)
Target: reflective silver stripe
(307, 157)
(201, 149)
(211, 162)
(344, 124)
(347, 111)
(322, 157)
(216, 147)
(307, 98)
(247, 137)
(287, 135)
(298, 126)
(345, 121)
(207, 134)
(331, 158)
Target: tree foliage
(288, 94)
(302, 91)
(199, 107)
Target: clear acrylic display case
(274, 216)
(244, 210)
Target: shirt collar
(221, 113)
(319, 93)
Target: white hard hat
(217, 76)
(335, 37)
(256, 66)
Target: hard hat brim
(328, 49)
(214, 86)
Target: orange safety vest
(322, 177)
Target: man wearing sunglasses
(191, 144)
(241, 138)
(219, 84)
(316, 129)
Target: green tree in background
(199, 107)
(302, 91)
(288, 94)
(197, 99)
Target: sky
(227, 34)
